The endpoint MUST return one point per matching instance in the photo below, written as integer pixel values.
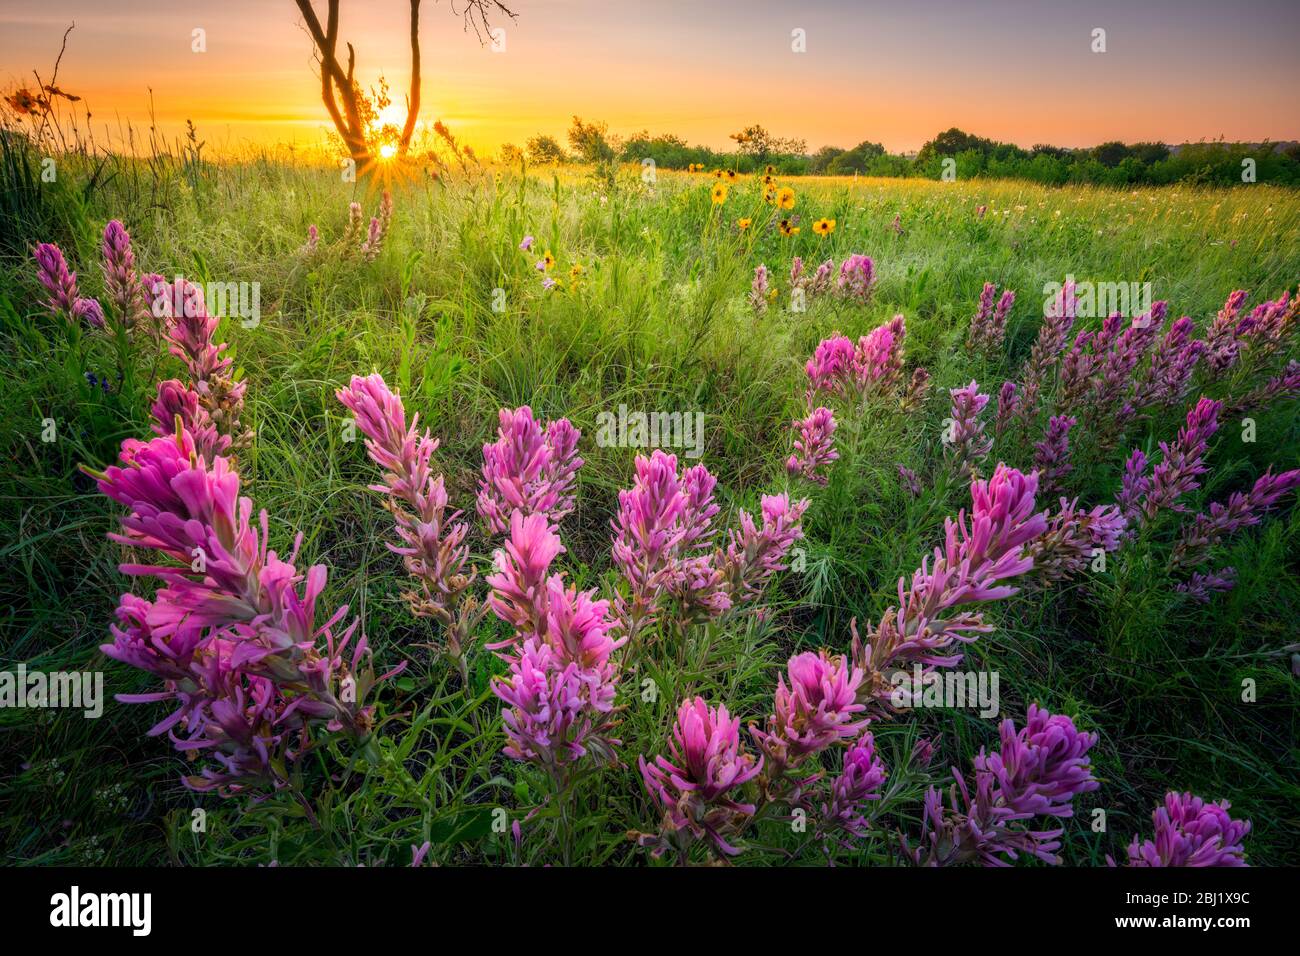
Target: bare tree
(339, 85)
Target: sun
(387, 151)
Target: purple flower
(236, 641)
(1169, 375)
(814, 449)
(431, 539)
(52, 271)
(1072, 537)
(757, 551)
(1190, 831)
(910, 481)
(526, 244)
(176, 400)
(1243, 510)
(857, 277)
(1006, 408)
(1052, 454)
(857, 785)
(520, 595)
(1142, 497)
(694, 786)
(556, 711)
(983, 548)
(967, 445)
(1202, 586)
(191, 331)
(1037, 772)
(1057, 322)
(818, 708)
(120, 279)
(988, 328)
(528, 469)
(88, 311)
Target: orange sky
(1009, 69)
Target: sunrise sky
(896, 73)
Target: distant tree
(857, 159)
(951, 142)
(350, 109)
(511, 155)
(1111, 154)
(544, 149)
(757, 142)
(1148, 154)
(822, 159)
(590, 141)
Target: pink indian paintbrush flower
(559, 693)
(1142, 497)
(819, 707)
(236, 641)
(696, 785)
(983, 548)
(859, 782)
(1057, 322)
(1202, 586)
(857, 277)
(1168, 377)
(61, 284)
(379, 227)
(88, 311)
(966, 445)
(1072, 540)
(528, 469)
(520, 595)
(1052, 454)
(1037, 772)
(430, 536)
(1007, 402)
(988, 328)
(120, 279)
(1286, 384)
(872, 367)
(814, 449)
(1190, 831)
(556, 711)
(191, 331)
(176, 400)
(757, 551)
(1242, 510)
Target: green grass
(659, 323)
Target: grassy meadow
(658, 320)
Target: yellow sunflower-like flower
(769, 196)
(743, 223)
(719, 173)
(824, 227)
(719, 194)
(548, 261)
(769, 180)
(770, 170)
(731, 175)
(576, 271)
(785, 197)
(787, 228)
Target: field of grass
(659, 321)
